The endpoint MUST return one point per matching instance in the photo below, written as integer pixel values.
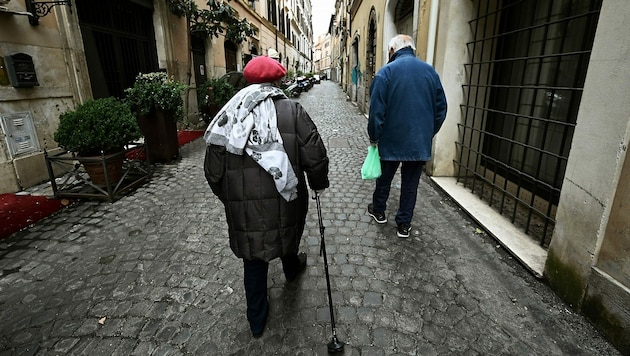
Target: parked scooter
(292, 88)
(304, 84)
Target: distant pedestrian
(407, 108)
(260, 145)
(272, 53)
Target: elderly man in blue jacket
(407, 108)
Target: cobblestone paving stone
(152, 274)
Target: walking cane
(334, 345)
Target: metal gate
(119, 43)
(525, 75)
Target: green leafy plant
(215, 19)
(215, 91)
(212, 95)
(156, 90)
(100, 126)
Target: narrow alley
(153, 274)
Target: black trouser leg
(255, 273)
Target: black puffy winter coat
(262, 225)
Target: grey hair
(400, 42)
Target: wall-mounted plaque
(21, 70)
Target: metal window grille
(119, 43)
(524, 81)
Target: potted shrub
(95, 129)
(212, 95)
(157, 101)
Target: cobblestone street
(153, 274)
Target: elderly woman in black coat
(262, 148)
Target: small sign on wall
(21, 70)
(20, 133)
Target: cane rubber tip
(335, 346)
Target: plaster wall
(217, 55)
(594, 175)
(614, 256)
(45, 102)
(598, 146)
(17, 30)
(450, 56)
(267, 39)
(357, 62)
(8, 178)
(385, 31)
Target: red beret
(263, 69)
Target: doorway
(119, 43)
(370, 58)
(230, 56)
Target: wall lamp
(42, 8)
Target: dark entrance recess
(370, 56)
(230, 56)
(199, 59)
(119, 43)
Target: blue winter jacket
(407, 108)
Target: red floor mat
(20, 211)
(183, 137)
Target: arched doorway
(370, 58)
(401, 16)
(230, 56)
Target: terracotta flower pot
(96, 169)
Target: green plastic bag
(371, 168)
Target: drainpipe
(433, 23)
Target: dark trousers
(255, 273)
(410, 173)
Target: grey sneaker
(403, 231)
(378, 217)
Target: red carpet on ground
(183, 137)
(20, 211)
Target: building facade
(535, 142)
(82, 49)
(322, 56)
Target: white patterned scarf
(248, 123)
